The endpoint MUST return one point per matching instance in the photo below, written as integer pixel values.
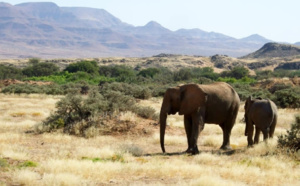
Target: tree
(40, 69)
(90, 67)
(237, 72)
(149, 72)
(7, 72)
(183, 74)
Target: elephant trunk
(162, 121)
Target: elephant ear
(191, 98)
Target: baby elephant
(263, 114)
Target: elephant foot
(226, 147)
(192, 151)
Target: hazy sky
(277, 20)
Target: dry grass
(133, 160)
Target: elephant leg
(197, 127)
(226, 137)
(250, 134)
(266, 133)
(226, 128)
(188, 130)
(257, 133)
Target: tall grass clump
(291, 140)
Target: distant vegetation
(143, 83)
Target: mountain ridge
(46, 30)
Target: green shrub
(245, 90)
(74, 108)
(7, 72)
(121, 72)
(286, 73)
(237, 72)
(291, 140)
(232, 80)
(206, 72)
(23, 88)
(28, 164)
(164, 77)
(289, 97)
(146, 112)
(89, 67)
(40, 69)
(183, 74)
(34, 61)
(118, 102)
(3, 163)
(134, 90)
(264, 74)
(279, 86)
(227, 79)
(66, 77)
(149, 72)
(52, 89)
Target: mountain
(275, 50)
(298, 43)
(200, 34)
(255, 38)
(46, 30)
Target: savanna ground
(27, 158)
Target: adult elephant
(216, 103)
(263, 114)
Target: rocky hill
(46, 30)
(271, 50)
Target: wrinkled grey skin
(216, 103)
(263, 114)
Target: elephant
(263, 114)
(216, 103)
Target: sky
(277, 20)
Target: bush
(206, 72)
(288, 97)
(231, 80)
(118, 102)
(146, 112)
(7, 72)
(23, 88)
(66, 77)
(149, 72)
(89, 67)
(121, 72)
(40, 69)
(134, 90)
(237, 72)
(265, 74)
(183, 74)
(164, 77)
(245, 90)
(74, 108)
(291, 140)
(52, 89)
